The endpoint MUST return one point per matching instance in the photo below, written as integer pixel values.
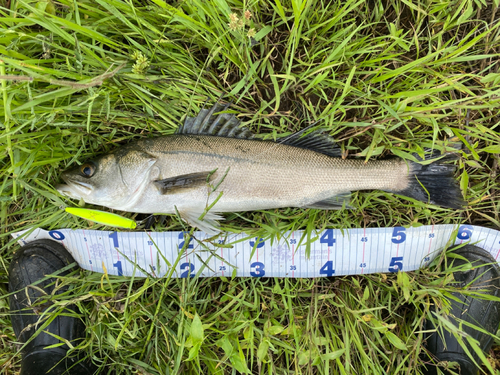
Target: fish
(212, 165)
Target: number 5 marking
(396, 264)
(398, 235)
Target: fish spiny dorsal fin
(211, 122)
(314, 141)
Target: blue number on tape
(222, 268)
(85, 239)
(181, 244)
(327, 269)
(90, 261)
(150, 243)
(259, 269)
(431, 235)
(293, 241)
(188, 268)
(362, 265)
(426, 259)
(464, 232)
(260, 242)
(114, 236)
(396, 264)
(398, 235)
(364, 239)
(56, 235)
(118, 265)
(327, 237)
(293, 268)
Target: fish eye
(87, 170)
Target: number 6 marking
(464, 232)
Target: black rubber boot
(480, 312)
(30, 264)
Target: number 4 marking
(327, 269)
(327, 237)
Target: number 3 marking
(259, 269)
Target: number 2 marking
(181, 244)
(188, 268)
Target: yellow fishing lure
(101, 217)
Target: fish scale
(279, 175)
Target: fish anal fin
(336, 202)
(209, 224)
(184, 181)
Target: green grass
(384, 78)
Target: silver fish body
(189, 172)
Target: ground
(385, 79)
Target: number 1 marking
(118, 266)
(114, 236)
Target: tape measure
(332, 252)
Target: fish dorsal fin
(211, 122)
(315, 141)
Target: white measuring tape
(332, 252)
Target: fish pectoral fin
(183, 181)
(337, 202)
(208, 224)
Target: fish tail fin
(434, 182)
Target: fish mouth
(74, 189)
